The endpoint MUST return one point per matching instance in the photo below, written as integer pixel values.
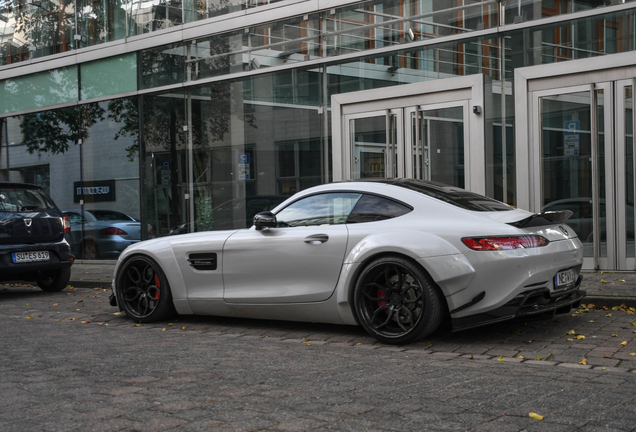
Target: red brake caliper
(381, 295)
(157, 285)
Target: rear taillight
(67, 224)
(505, 243)
(112, 231)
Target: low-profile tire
(396, 301)
(90, 251)
(57, 280)
(143, 292)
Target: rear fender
(448, 268)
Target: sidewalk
(603, 288)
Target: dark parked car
(34, 238)
(106, 232)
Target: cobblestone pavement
(69, 361)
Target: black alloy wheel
(143, 291)
(396, 301)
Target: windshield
(17, 200)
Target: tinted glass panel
(451, 195)
(325, 209)
(372, 208)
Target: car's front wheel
(143, 291)
(396, 301)
(56, 281)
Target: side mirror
(265, 220)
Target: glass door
(439, 142)
(573, 126)
(376, 142)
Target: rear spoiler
(542, 219)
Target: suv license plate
(565, 277)
(20, 257)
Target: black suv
(34, 238)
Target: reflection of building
(183, 106)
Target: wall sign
(94, 191)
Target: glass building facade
(188, 116)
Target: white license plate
(20, 257)
(564, 277)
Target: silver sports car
(395, 256)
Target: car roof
(19, 185)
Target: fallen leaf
(633, 354)
(621, 280)
(608, 315)
(170, 324)
(520, 357)
(570, 340)
(583, 362)
(634, 323)
(137, 325)
(117, 313)
(359, 343)
(613, 335)
(55, 304)
(29, 316)
(607, 356)
(163, 329)
(535, 416)
(471, 357)
(591, 321)
(183, 328)
(579, 337)
(624, 343)
(603, 281)
(501, 358)
(571, 332)
(538, 358)
(85, 322)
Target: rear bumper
(60, 257)
(528, 303)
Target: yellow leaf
(603, 281)
(170, 324)
(117, 313)
(137, 325)
(591, 321)
(471, 357)
(583, 362)
(85, 322)
(359, 343)
(632, 353)
(571, 332)
(520, 357)
(621, 280)
(570, 340)
(183, 328)
(538, 358)
(602, 271)
(501, 358)
(55, 304)
(27, 304)
(579, 337)
(608, 315)
(615, 308)
(624, 343)
(634, 323)
(613, 335)
(632, 309)
(163, 329)
(29, 316)
(536, 416)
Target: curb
(609, 301)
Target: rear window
(451, 194)
(17, 200)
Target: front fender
(161, 251)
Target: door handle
(316, 238)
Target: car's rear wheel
(56, 281)
(143, 291)
(396, 301)
(90, 250)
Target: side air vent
(203, 261)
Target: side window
(74, 218)
(323, 209)
(372, 208)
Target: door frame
(466, 88)
(559, 77)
